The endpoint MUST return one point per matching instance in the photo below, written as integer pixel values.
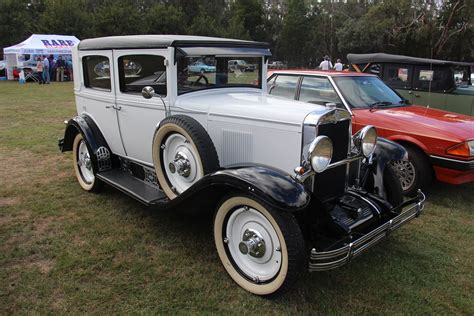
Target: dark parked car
(445, 85)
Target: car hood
(251, 104)
(416, 119)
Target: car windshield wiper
(404, 101)
(380, 103)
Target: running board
(127, 183)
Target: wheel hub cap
(181, 165)
(87, 161)
(252, 244)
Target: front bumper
(453, 171)
(334, 258)
(455, 164)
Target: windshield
(367, 92)
(207, 72)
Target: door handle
(115, 107)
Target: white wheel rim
(84, 162)
(405, 171)
(256, 269)
(177, 144)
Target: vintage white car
(288, 183)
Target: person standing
(52, 69)
(69, 70)
(46, 78)
(338, 66)
(39, 70)
(60, 65)
(326, 63)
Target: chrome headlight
(366, 140)
(320, 153)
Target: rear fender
(96, 144)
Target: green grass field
(63, 250)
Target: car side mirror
(148, 92)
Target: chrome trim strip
(345, 161)
(338, 257)
(453, 160)
(348, 108)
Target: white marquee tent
(38, 44)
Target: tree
(165, 19)
(249, 13)
(118, 18)
(66, 17)
(294, 34)
(15, 22)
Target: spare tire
(183, 153)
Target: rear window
(96, 72)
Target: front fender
(268, 184)
(385, 152)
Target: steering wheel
(201, 76)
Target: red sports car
(439, 143)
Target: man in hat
(326, 63)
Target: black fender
(268, 184)
(385, 151)
(94, 139)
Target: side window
(139, 71)
(319, 91)
(96, 72)
(398, 76)
(284, 86)
(436, 78)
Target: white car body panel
(245, 124)
(98, 103)
(138, 117)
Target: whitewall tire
(262, 249)
(83, 166)
(182, 154)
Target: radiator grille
(332, 182)
(339, 135)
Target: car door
(318, 90)
(138, 117)
(96, 97)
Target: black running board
(138, 189)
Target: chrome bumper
(326, 260)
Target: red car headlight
(464, 149)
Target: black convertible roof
(388, 58)
(164, 41)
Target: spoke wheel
(405, 172)
(261, 248)
(414, 173)
(83, 165)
